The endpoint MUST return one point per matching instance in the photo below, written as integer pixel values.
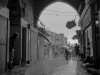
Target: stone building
(90, 29)
(17, 16)
(57, 43)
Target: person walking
(76, 49)
(12, 49)
(73, 53)
(66, 54)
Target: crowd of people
(74, 52)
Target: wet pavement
(71, 68)
(51, 66)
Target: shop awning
(45, 37)
(75, 37)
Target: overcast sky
(55, 17)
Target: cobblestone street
(51, 66)
(71, 68)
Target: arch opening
(55, 11)
(53, 2)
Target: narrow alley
(51, 66)
(49, 37)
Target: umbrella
(65, 47)
(75, 37)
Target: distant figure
(88, 52)
(66, 54)
(76, 49)
(56, 54)
(12, 49)
(73, 53)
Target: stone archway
(54, 3)
(40, 5)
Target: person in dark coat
(66, 54)
(76, 49)
(12, 49)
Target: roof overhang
(43, 35)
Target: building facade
(17, 16)
(90, 30)
(57, 43)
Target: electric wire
(59, 14)
(59, 11)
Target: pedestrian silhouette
(73, 53)
(76, 49)
(12, 49)
(66, 54)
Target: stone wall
(33, 43)
(3, 37)
(41, 47)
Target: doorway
(15, 20)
